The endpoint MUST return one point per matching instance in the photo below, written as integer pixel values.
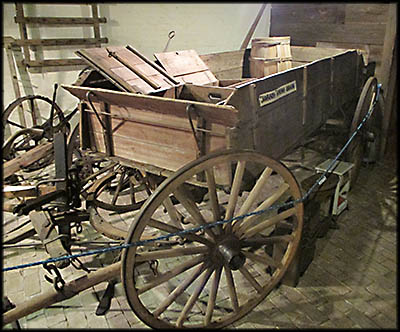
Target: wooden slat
(129, 70)
(19, 8)
(60, 20)
(222, 62)
(308, 13)
(225, 115)
(370, 52)
(186, 65)
(308, 54)
(387, 74)
(58, 62)
(365, 13)
(60, 41)
(309, 34)
(96, 26)
(26, 159)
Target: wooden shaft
(253, 27)
(69, 290)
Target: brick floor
(351, 282)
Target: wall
(342, 25)
(205, 27)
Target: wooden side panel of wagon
(279, 110)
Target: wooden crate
(270, 55)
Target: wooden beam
(70, 289)
(253, 27)
(60, 20)
(12, 166)
(388, 71)
(60, 41)
(56, 62)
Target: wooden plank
(186, 65)
(12, 166)
(308, 13)
(128, 69)
(60, 20)
(153, 142)
(205, 94)
(366, 12)
(388, 71)
(57, 62)
(371, 53)
(388, 46)
(300, 33)
(225, 115)
(308, 53)
(19, 9)
(225, 64)
(96, 26)
(60, 41)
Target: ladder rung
(60, 20)
(55, 62)
(60, 41)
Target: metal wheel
(23, 113)
(217, 275)
(119, 190)
(370, 131)
(24, 129)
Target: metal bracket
(200, 132)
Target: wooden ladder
(29, 44)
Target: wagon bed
(270, 115)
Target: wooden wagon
(211, 151)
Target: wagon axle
(228, 251)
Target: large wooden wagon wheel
(369, 131)
(217, 275)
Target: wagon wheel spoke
(32, 111)
(213, 195)
(233, 197)
(15, 124)
(170, 253)
(231, 288)
(172, 229)
(182, 196)
(213, 296)
(178, 290)
(119, 186)
(162, 278)
(245, 272)
(245, 223)
(189, 288)
(264, 259)
(249, 232)
(193, 298)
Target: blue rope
(318, 182)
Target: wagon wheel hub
(228, 251)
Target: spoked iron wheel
(121, 190)
(24, 128)
(370, 131)
(216, 275)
